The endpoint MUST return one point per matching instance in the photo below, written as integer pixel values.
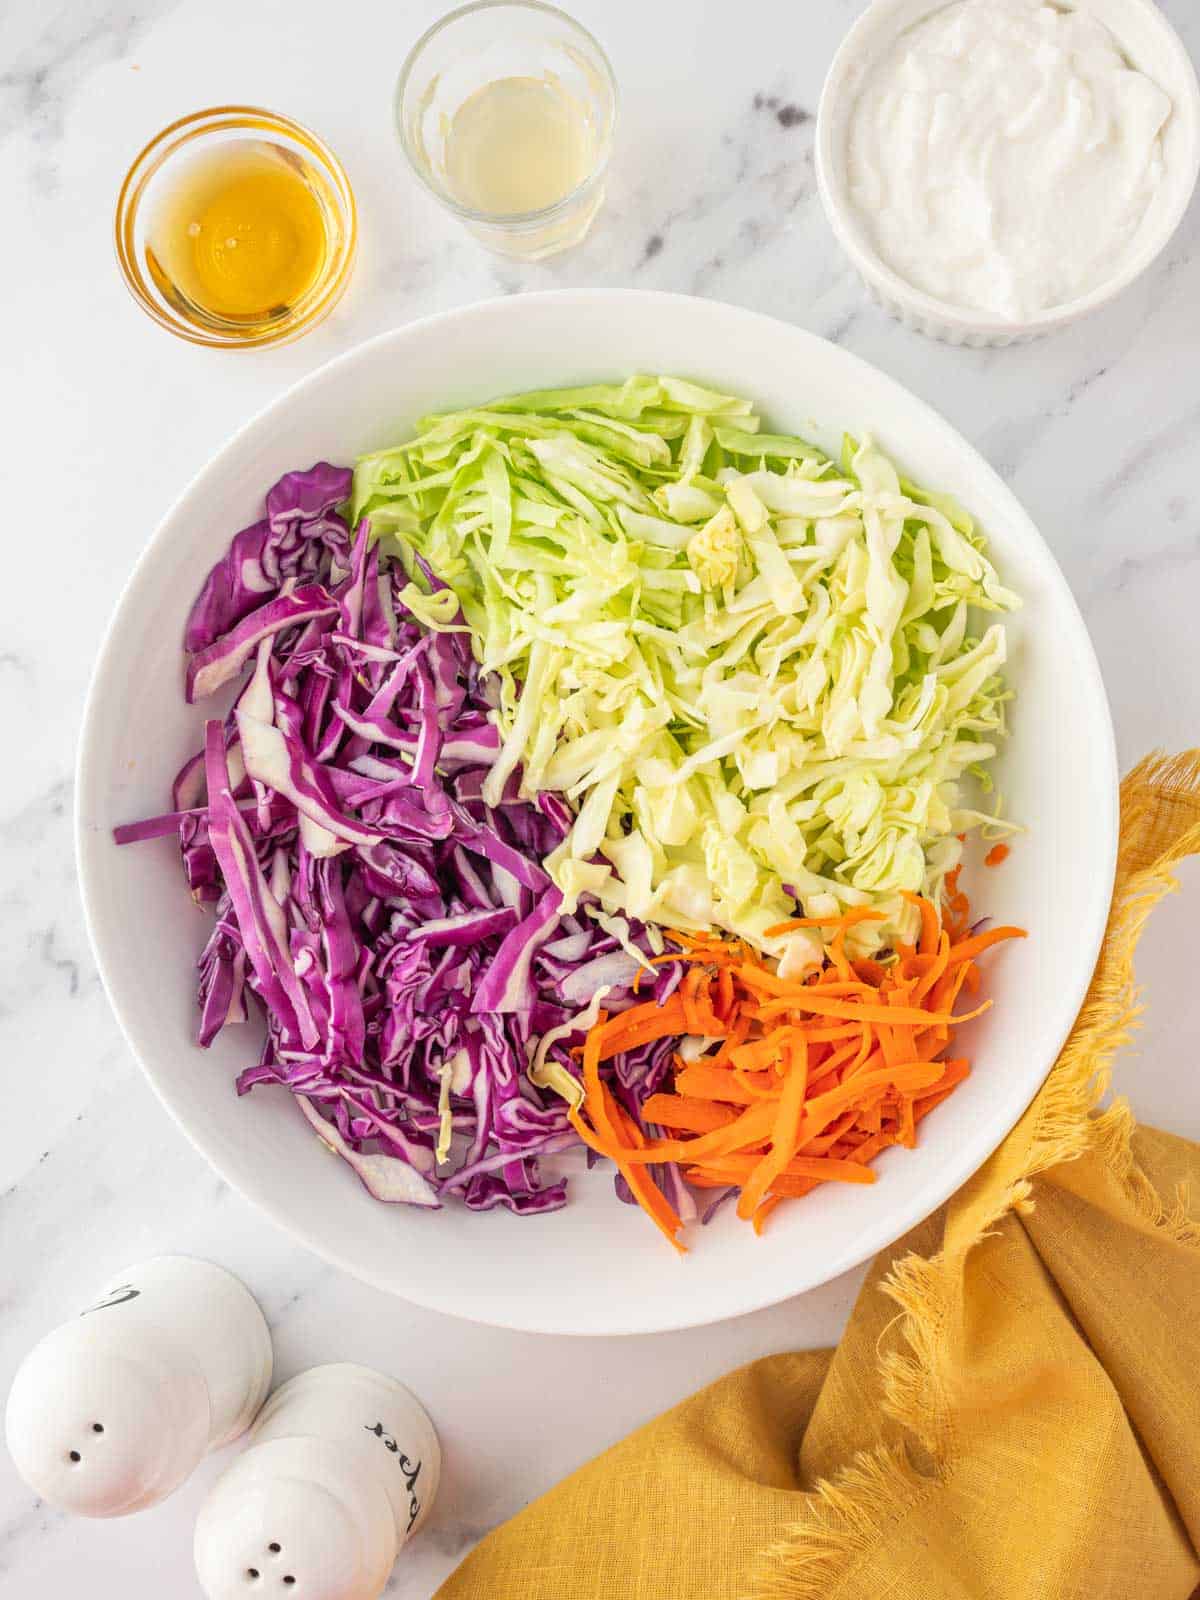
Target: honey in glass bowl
(236, 227)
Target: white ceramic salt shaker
(341, 1468)
(112, 1411)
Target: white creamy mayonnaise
(1003, 156)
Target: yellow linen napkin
(1014, 1409)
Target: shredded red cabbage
(400, 937)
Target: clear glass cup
(506, 111)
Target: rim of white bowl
(856, 56)
(954, 1174)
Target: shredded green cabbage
(752, 671)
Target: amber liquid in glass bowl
(243, 236)
(236, 227)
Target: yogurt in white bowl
(995, 168)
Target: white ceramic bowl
(597, 1266)
(1150, 44)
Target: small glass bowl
(481, 43)
(157, 167)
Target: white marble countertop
(106, 418)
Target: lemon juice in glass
(506, 109)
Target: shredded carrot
(709, 1082)
(846, 920)
(811, 1079)
(789, 1187)
(785, 1135)
(725, 994)
(851, 1010)
(968, 949)
(931, 925)
(685, 1115)
(612, 1132)
(735, 1169)
(997, 855)
(956, 909)
(765, 1210)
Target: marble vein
(40, 77)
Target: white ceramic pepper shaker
(341, 1469)
(112, 1411)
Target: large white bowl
(597, 1266)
